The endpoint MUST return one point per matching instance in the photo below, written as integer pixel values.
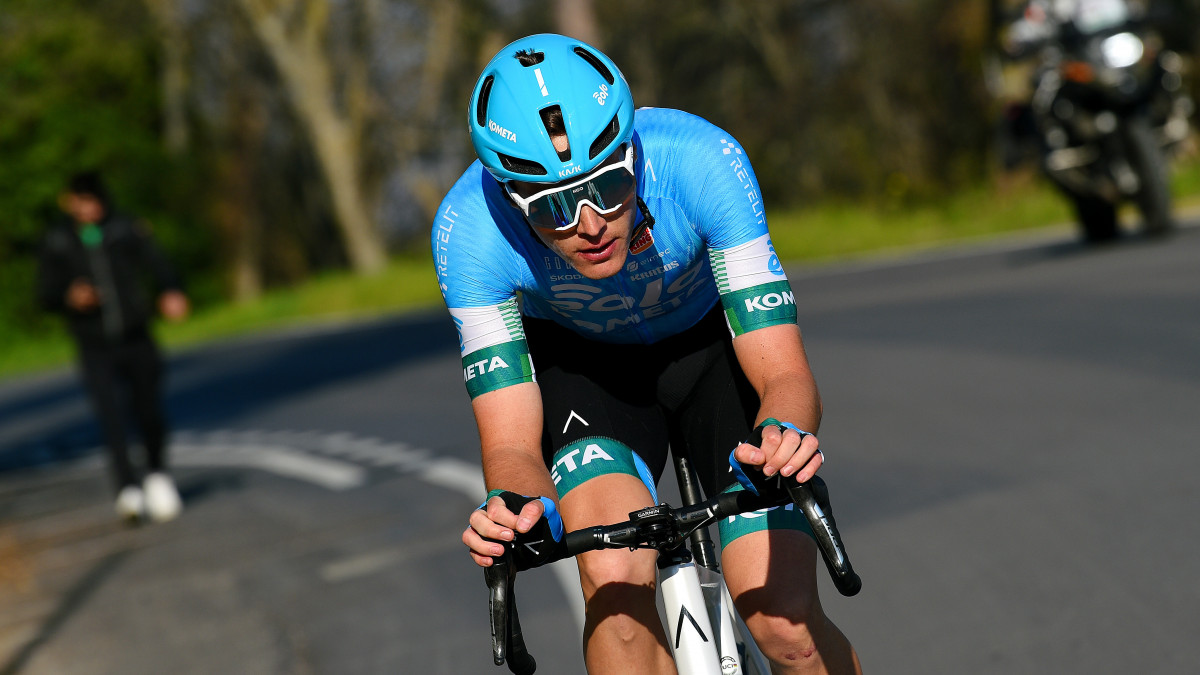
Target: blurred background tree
(268, 140)
(79, 89)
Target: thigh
(142, 367)
(139, 360)
(717, 414)
(98, 368)
(604, 440)
(715, 418)
(772, 573)
(600, 415)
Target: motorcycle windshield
(1092, 16)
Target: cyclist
(615, 291)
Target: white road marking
(309, 456)
(384, 560)
(454, 474)
(328, 473)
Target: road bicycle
(706, 634)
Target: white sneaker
(162, 499)
(131, 503)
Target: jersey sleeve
(754, 290)
(723, 192)
(479, 288)
(493, 347)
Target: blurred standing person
(92, 270)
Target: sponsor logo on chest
(642, 242)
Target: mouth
(600, 253)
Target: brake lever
(508, 644)
(829, 540)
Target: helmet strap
(647, 220)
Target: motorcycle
(1108, 109)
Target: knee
(786, 626)
(605, 573)
(786, 640)
(619, 592)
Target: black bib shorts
(686, 393)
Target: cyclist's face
(598, 245)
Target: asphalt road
(1011, 436)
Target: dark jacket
(118, 268)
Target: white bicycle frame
(706, 634)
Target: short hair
(552, 117)
(88, 183)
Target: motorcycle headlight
(1121, 50)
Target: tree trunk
(442, 46)
(174, 44)
(577, 18)
(336, 136)
(235, 206)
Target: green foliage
(877, 102)
(407, 283)
(873, 99)
(79, 90)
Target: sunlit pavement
(1010, 438)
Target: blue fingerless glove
(751, 477)
(543, 543)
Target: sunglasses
(559, 208)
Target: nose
(591, 224)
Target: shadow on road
(72, 601)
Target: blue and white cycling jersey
(709, 241)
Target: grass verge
(819, 233)
(407, 283)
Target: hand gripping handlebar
(812, 498)
(665, 529)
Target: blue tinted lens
(558, 210)
(552, 211)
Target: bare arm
(774, 361)
(510, 434)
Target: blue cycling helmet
(521, 88)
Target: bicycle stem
(702, 544)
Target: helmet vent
(552, 118)
(596, 63)
(521, 166)
(610, 132)
(485, 91)
(528, 57)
